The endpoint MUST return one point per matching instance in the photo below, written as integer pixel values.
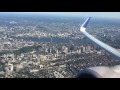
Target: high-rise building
(56, 55)
(82, 49)
(51, 39)
(79, 50)
(88, 49)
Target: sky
(89, 14)
(86, 14)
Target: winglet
(84, 25)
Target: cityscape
(48, 46)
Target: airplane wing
(108, 48)
(99, 71)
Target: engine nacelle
(100, 72)
(88, 73)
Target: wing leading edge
(108, 48)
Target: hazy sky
(86, 14)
